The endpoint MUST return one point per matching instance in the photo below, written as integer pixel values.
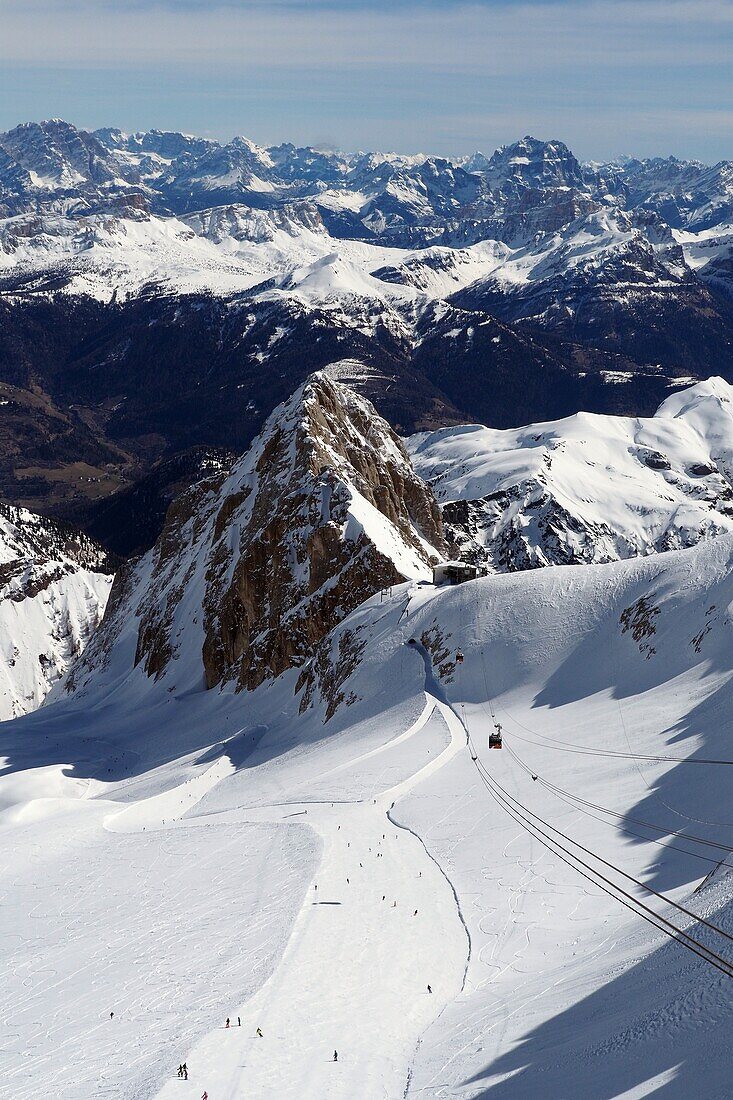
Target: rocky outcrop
(54, 583)
(333, 513)
(255, 567)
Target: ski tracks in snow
(381, 922)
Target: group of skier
(182, 1069)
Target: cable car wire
(583, 805)
(607, 863)
(597, 877)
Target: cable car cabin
(454, 572)
(495, 738)
(459, 657)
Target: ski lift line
(581, 749)
(557, 848)
(567, 746)
(657, 795)
(641, 836)
(649, 890)
(607, 886)
(633, 904)
(561, 792)
(612, 866)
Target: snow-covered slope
(54, 586)
(589, 488)
(222, 250)
(356, 886)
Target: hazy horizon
(609, 77)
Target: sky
(647, 77)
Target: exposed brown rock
(255, 568)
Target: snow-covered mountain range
(285, 383)
(176, 281)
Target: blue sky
(606, 76)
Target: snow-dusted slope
(222, 250)
(53, 592)
(589, 488)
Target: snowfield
(180, 857)
(589, 488)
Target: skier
(205, 1096)
(227, 1022)
(239, 1021)
(111, 1015)
(259, 1033)
(335, 1056)
(180, 1070)
(185, 1072)
(415, 913)
(429, 990)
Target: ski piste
(207, 876)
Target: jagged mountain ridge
(254, 567)
(54, 584)
(371, 193)
(587, 489)
(160, 292)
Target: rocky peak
(245, 223)
(531, 164)
(56, 154)
(254, 569)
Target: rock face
(253, 569)
(54, 584)
(587, 489)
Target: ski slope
(204, 875)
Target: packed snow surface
(177, 857)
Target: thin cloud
(471, 38)
(445, 76)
